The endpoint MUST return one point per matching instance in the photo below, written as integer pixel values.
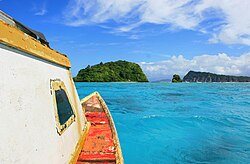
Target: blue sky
(163, 36)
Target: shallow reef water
(179, 123)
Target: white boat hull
(28, 124)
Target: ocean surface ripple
(179, 123)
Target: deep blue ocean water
(179, 123)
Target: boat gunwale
(14, 38)
(80, 143)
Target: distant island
(176, 79)
(193, 76)
(119, 71)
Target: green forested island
(176, 79)
(119, 71)
(193, 76)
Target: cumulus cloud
(220, 64)
(226, 21)
(236, 25)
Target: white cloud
(227, 21)
(220, 64)
(236, 26)
(40, 11)
(131, 13)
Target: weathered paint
(15, 38)
(27, 111)
(57, 85)
(119, 157)
(80, 143)
(96, 163)
(79, 116)
(101, 144)
(28, 116)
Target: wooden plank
(101, 144)
(107, 162)
(96, 157)
(13, 37)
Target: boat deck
(99, 145)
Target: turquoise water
(179, 123)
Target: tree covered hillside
(193, 76)
(119, 71)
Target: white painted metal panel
(27, 118)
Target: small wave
(153, 116)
